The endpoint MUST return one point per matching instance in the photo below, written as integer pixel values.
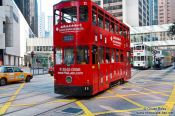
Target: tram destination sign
(68, 38)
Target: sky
(47, 6)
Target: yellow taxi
(10, 74)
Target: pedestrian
(174, 62)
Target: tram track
(24, 93)
(56, 108)
(41, 103)
(16, 85)
(27, 86)
(25, 97)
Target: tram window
(132, 49)
(142, 58)
(113, 56)
(82, 55)
(83, 12)
(68, 56)
(100, 21)
(128, 56)
(138, 47)
(121, 32)
(108, 56)
(56, 17)
(121, 57)
(137, 58)
(125, 34)
(116, 28)
(101, 55)
(107, 25)
(94, 18)
(117, 56)
(112, 27)
(94, 55)
(58, 56)
(69, 14)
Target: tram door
(95, 69)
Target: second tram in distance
(91, 49)
(142, 56)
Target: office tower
(29, 9)
(166, 11)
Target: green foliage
(171, 30)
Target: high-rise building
(41, 22)
(115, 7)
(155, 12)
(14, 30)
(29, 9)
(132, 12)
(166, 11)
(99, 2)
(41, 25)
(50, 26)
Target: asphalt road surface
(148, 93)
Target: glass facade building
(29, 9)
(155, 12)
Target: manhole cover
(126, 89)
(72, 110)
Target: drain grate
(72, 110)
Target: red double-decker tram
(91, 49)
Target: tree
(171, 30)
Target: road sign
(154, 52)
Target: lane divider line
(131, 101)
(169, 105)
(85, 109)
(123, 111)
(156, 92)
(6, 106)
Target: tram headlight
(69, 79)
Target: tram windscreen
(68, 56)
(82, 55)
(69, 14)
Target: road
(148, 93)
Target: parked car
(10, 74)
(51, 71)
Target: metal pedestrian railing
(39, 70)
